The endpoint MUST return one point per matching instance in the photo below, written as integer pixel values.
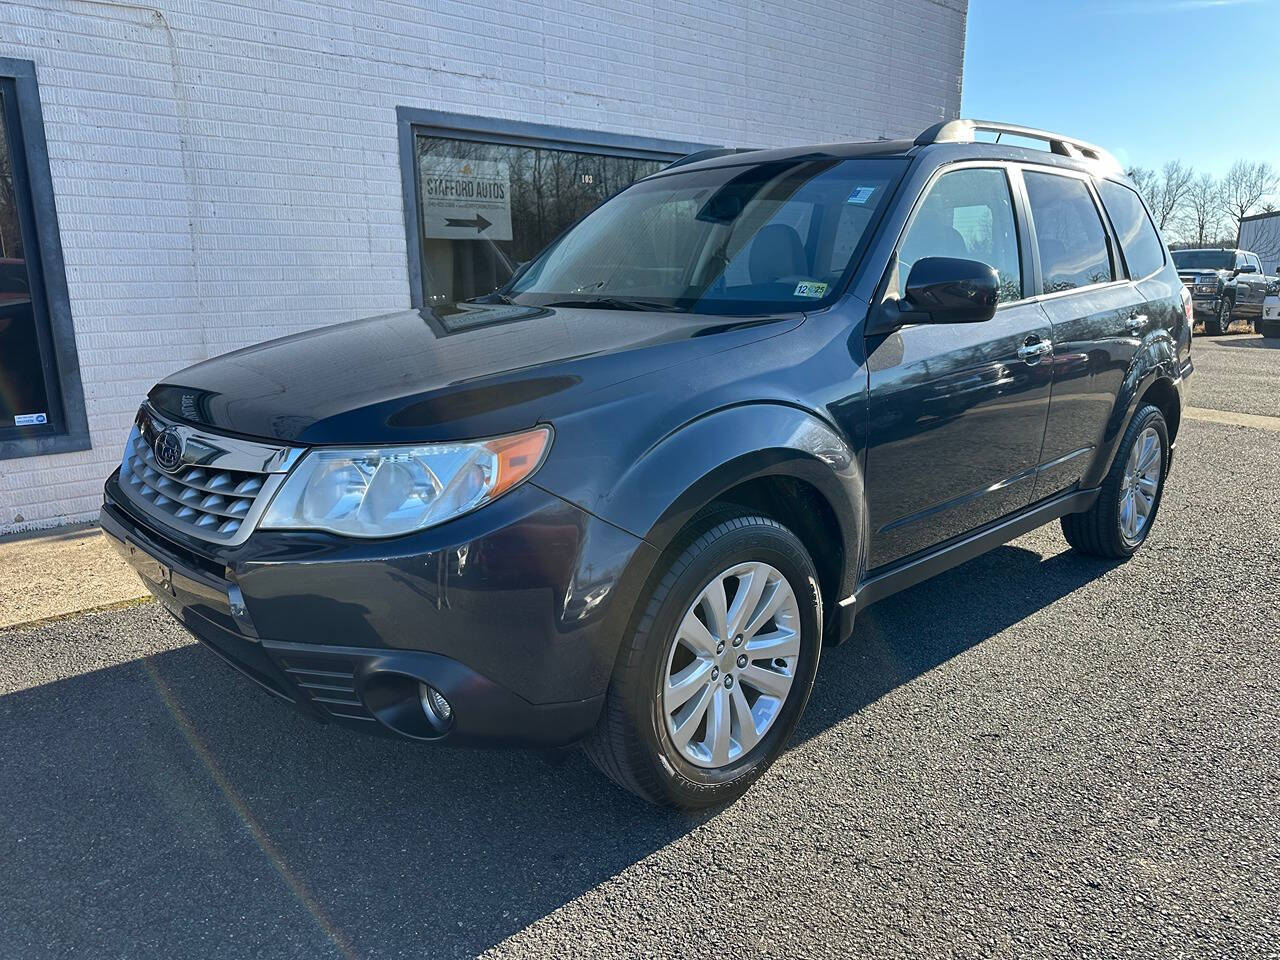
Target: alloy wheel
(731, 664)
(1140, 485)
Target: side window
(1143, 249)
(1069, 234)
(1253, 258)
(967, 214)
(1239, 260)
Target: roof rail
(963, 131)
(710, 154)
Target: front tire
(1221, 320)
(712, 681)
(1121, 518)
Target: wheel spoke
(750, 586)
(713, 604)
(682, 731)
(748, 736)
(695, 634)
(779, 643)
(718, 727)
(779, 595)
(1126, 514)
(1150, 450)
(685, 684)
(767, 681)
(1143, 503)
(1147, 486)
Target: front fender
(657, 494)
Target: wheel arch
(1153, 374)
(780, 461)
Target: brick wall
(227, 172)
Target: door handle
(1033, 349)
(1136, 321)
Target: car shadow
(166, 807)
(1250, 341)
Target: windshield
(738, 240)
(1204, 259)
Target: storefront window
(485, 208)
(41, 401)
(24, 394)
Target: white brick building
(225, 172)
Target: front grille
(211, 503)
(216, 493)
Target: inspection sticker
(861, 195)
(30, 419)
(809, 289)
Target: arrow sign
(479, 222)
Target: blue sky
(1150, 80)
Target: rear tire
(1106, 529)
(638, 741)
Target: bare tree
(1244, 186)
(1204, 208)
(1172, 187)
(1165, 191)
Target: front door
(957, 411)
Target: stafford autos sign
(465, 199)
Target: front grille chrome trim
(220, 490)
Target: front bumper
(512, 613)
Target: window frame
(1119, 270)
(1164, 247)
(68, 427)
(1021, 223)
(412, 122)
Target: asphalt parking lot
(1036, 754)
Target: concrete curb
(59, 573)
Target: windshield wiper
(618, 303)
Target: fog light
(436, 707)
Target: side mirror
(1247, 268)
(940, 290)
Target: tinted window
(1069, 234)
(737, 240)
(1143, 251)
(1203, 259)
(967, 214)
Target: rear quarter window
(1139, 240)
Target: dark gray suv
(627, 499)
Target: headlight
(387, 491)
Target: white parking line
(1234, 419)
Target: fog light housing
(438, 710)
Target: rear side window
(1143, 251)
(1069, 234)
(967, 214)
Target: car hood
(468, 370)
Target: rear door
(1097, 314)
(957, 411)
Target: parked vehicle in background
(1225, 285)
(627, 499)
(1269, 323)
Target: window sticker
(810, 289)
(861, 195)
(30, 419)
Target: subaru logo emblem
(168, 450)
